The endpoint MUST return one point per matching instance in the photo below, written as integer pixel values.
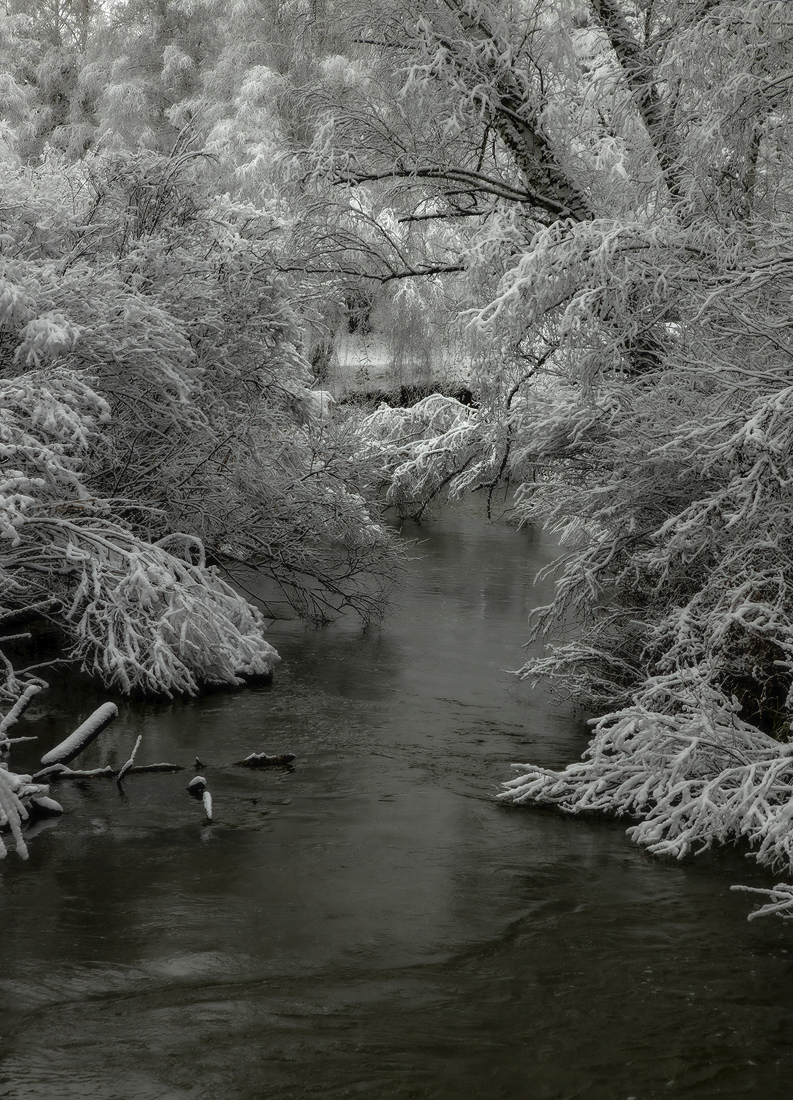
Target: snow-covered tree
(46, 49)
(157, 410)
(618, 176)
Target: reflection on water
(371, 923)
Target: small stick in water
(125, 767)
(197, 787)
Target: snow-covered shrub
(137, 614)
(139, 617)
(670, 492)
(693, 778)
(420, 449)
(155, 410)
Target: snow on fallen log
(60, 771)
(82, 736)
(262, 760)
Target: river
(371, 923)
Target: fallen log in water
(262, 760)
(61, 771)
(23, 797)
(82, 736)
(163, 767)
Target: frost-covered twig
(780, 903)
(129, 763)
(18, 709)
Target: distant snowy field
(366, 364)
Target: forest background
(588, 200)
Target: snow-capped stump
(82, 736)
(197, 786)
(262, 760)
(44, 806)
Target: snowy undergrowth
(18, 793)
(693, 779)
(142, 616)
(155, 412)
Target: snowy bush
(693, 778)
(142, 616)
(155, 410)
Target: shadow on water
(371, 923)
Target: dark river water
(372, 923)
